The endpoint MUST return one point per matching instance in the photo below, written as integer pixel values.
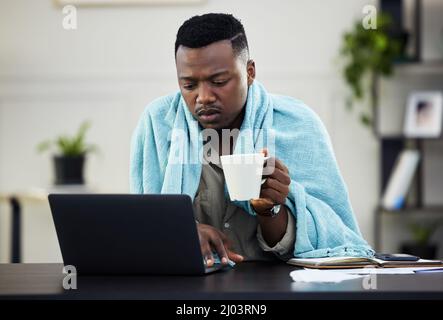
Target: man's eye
(220, 82)
(188, 86)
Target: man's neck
(236, 124)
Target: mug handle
(263, 180)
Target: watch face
(275, 210)
(271, 212)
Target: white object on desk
(314, 275)
(338, 275)
(365, 271)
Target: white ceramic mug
(243, 175)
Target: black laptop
(128, 234)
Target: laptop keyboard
(218, 265)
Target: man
(303, 209)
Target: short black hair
(200, 31)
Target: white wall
(120, 58)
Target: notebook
(358, 262)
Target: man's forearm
(274, 228)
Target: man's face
(214, 83)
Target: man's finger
(225, 239)
(281, 176)
(274, 163)
(273, 196)
(263, 201)
(235, 256)
(280, 165)
(219, 247)
(222, 235)
(207, 254)
(276, 185)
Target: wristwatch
(273, 212)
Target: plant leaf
(366, 119)
(367, 52)
(43, 146)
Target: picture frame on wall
(424, 115)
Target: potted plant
(368, 54)
(421, 246)
(70, 155)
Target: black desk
(248, 280)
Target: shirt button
(227, 225)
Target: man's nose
(205, 95)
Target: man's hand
(275, 189)
(212, 239)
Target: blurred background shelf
(420, 70)
(423, 205)
(419, 67)
(412, 210)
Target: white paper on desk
(366, 271)
(313, 275)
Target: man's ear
(250, 69)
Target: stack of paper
(312, 275)
(338, 275)
(360, 262)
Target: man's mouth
(208, 115)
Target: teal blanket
(167, 148)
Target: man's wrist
(271, 211)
